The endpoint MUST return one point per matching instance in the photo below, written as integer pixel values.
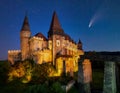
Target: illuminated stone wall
(59, 65)
(84, 75)
(43, 56)
(71, 64)
(37, 43)
(14, 55)
(24, 42)
(57, 41)
(57, 48)
(60, 46)
(87, 71)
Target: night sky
(75, 16)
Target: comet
(99, 14)
(91, 22)
(94, 19)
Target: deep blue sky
(74, 16)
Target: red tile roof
(41, 36)
(25, 26)
(55, 27)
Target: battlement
(14, 51)
(42, 49)
(37, 38)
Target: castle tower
(79, 45)
(56, 34)
(24, 39)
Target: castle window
(58, 42)
(50, 43)
(38, 48)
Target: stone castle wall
(14, 55)
(58, 48)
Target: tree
(4, 69)
(41, 72)
(22, 70)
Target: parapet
(14, 51)
(37, 38)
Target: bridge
(111, 68)
(103, 56)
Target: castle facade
(58, 48)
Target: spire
(79, 42)
(25, 26)
(55, 27)
(41, 36)
(79, 45)
(55, 22)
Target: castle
(58, 48)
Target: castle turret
(55, 27)
(56, 34)
(24, 38)
(79, 45)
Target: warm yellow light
(87, 70)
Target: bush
(40, 88)
(4, 69)
(56, 88)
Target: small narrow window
(58, 42)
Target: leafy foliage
(37, 89)
(4, 69)
(41, 72)
(9, 87)
(29, 77)
(56, 88)
(28, 71)
(16, 71)
(16, 86)
(45, 88)
(21, 70)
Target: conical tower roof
(25, 26)
(41, 36)
(55, 27)
(79, 42)
(79, 45)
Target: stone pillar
(87, 88)
(80, 75)
(84, 75)
(118, 77)
(109, 78)
(71, 73)
(87, 72)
